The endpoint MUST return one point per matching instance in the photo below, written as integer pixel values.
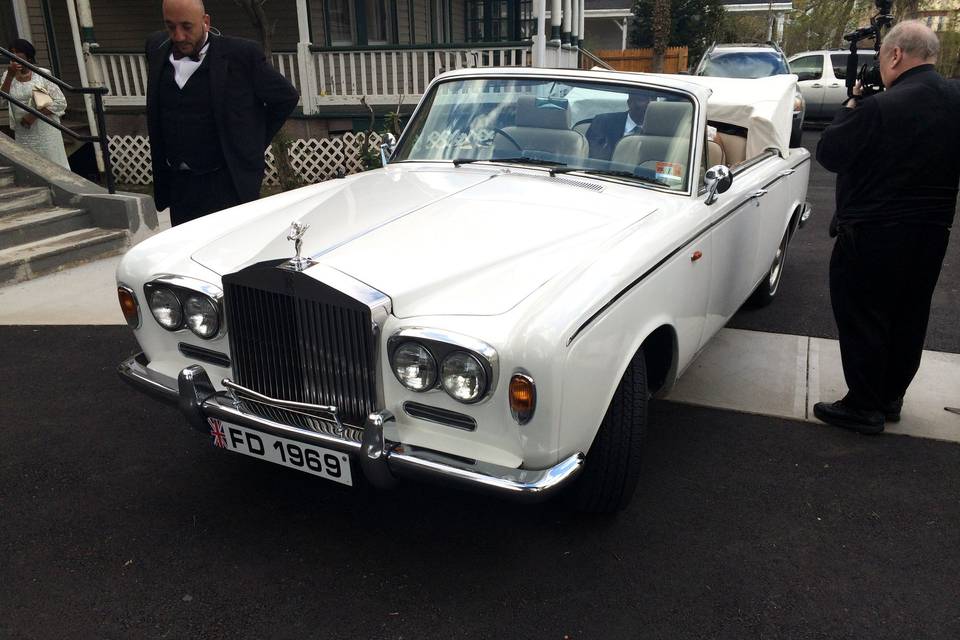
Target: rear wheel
(612, 466)
(766, 291)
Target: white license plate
(325, 463)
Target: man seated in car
(607, 129)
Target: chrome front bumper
(381, 460)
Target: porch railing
(125, 74)
(334, 76)
(386, 75)
(98, 113)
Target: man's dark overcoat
(250, 102)
(604, 133)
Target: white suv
(822, 79)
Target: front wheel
(612, 467)
(766, 291)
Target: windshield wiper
(615, 173)
(518, 160)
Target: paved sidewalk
(783, 375)
(82, 295)
(749, 371)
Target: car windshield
(744, 64)
(642, 134)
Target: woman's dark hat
(24, 47)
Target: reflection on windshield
(602, 129)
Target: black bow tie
(195, 57)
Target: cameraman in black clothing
(897, 159)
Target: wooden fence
(675, 59)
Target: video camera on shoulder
(869, 74)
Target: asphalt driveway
(117, 521)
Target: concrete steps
(38, 237)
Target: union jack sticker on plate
(216, 431)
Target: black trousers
(195, 195)
(881, 281)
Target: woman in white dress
(29, 131)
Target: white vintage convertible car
(493, 308)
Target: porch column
(623, 34)
(540, 40)
(566, 22)
(555, 13)
(781, 17)
(81, 21)
(583, 22)
(575, 21)
(22, 18)
(305, 65)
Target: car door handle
(817, 85)
(835, 85)
(786, 172)
(759, 193)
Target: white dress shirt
(185, 67)
(629, 125)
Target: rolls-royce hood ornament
(297, 262)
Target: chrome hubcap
(775, 269)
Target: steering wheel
(580, 122)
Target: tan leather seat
(665, 137)
(715, 154)
(734, 147)
(543, 128)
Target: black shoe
(891, 411)
(841, 415)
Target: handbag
(41, 99)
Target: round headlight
(165, 307)
(201, 316)
(414, 366)
(463, 377)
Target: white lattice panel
(313, 160)
(131, 159)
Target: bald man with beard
(897, 165)
(214, 104)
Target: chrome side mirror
(387, 148)
(717, 180)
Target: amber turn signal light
(129, 306)
(523, 398)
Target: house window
(378, 21)
(341, 23)
(361, 23)
(499, 20)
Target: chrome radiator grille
(304, 344)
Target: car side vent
(440, 416)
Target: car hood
(465, 241)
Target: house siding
(125, 24)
